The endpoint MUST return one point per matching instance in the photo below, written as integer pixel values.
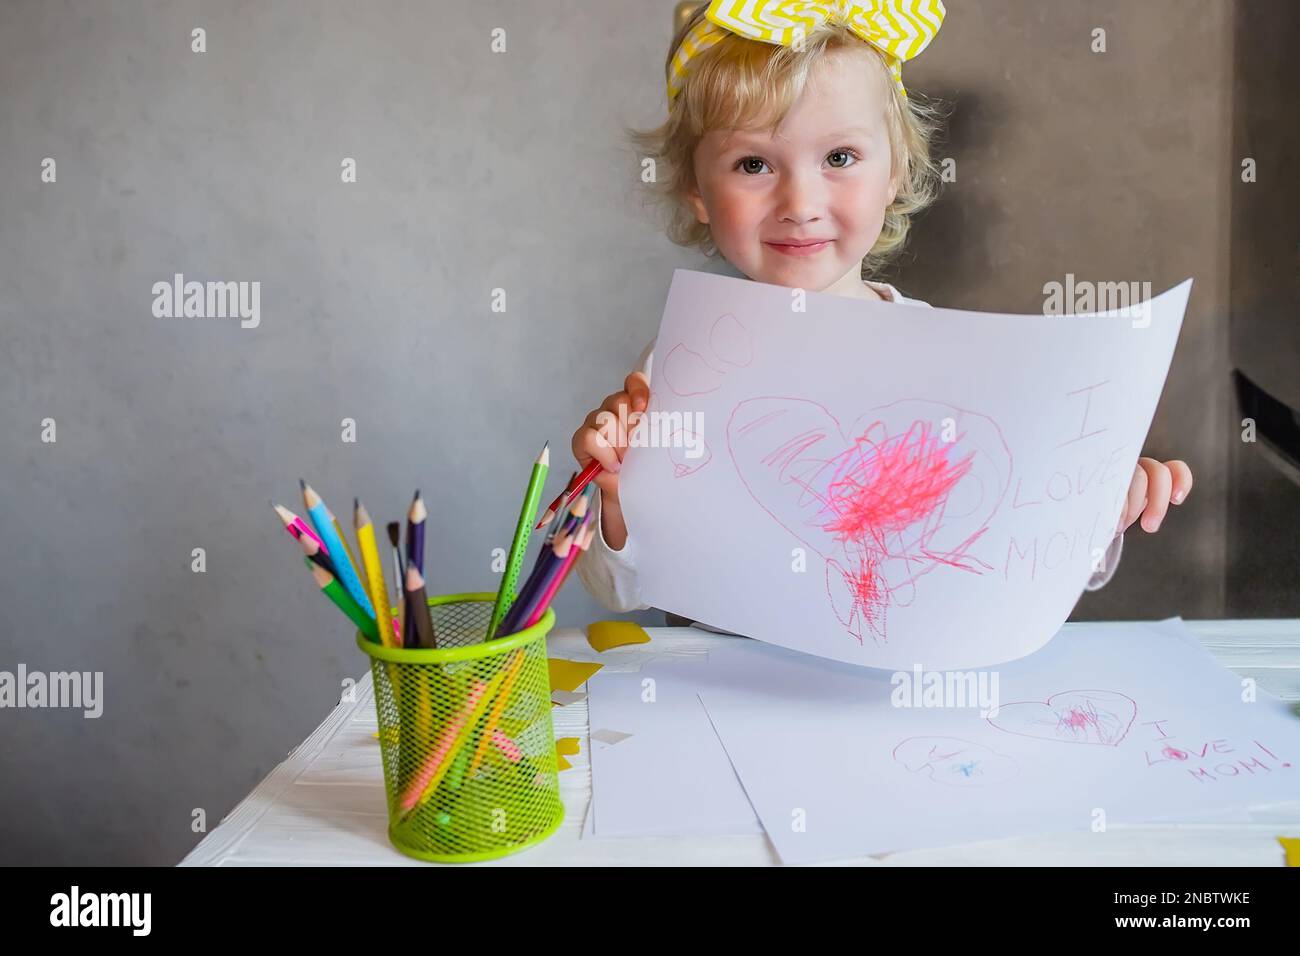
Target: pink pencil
(507, 746)
(297, 527)
(449, 734)
(557, 581)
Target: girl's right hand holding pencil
(604, 437)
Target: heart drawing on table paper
(909, 487)
(1073, 716)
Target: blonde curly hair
(736, 83)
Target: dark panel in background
(1263, 541)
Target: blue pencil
(321, 518)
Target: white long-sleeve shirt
(610, 575)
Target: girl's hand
(603, 437)
(1154, 485)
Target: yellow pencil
(374, 578)
(498, 708)
(463, 733)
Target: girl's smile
(800, 249)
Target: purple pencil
(415, 533)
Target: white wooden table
(325, 803)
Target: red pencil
(569, 493)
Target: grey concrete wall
(476, 171)
(1110, 166)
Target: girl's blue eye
(852, 154)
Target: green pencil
(523, 532)
(336, 593)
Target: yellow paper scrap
(570, 675)
(604, 635)
(1292, 847)
(565, 746)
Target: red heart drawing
(1071, 716)
(909, 488)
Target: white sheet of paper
(1122, 719)
(884, 484)
(658, 788)
(671, 777)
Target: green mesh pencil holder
(466, 736)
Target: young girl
(796, 154)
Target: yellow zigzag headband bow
(900, 29)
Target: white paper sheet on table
(1126, 719)
(671, 777)
(885, 485)
(675, 777)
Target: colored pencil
(374, 571)
(578, 510)
(548, 564)
(399, 575)
(309, 543)
(347, 547)
(559, 515)
(453, 738)
(327, 529)
(582, 535)
(434, 766)
(509, 749)
(503, 698)
(415, 519)
(419, 629)
(296, 526)
(523, 533)
(573, 516)
(576, 485)
(314, 550)
(336, 593)
(557, 581)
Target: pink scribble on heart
(1100, 717)
(910, 488)
(878, 489)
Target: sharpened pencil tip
(302, 483)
